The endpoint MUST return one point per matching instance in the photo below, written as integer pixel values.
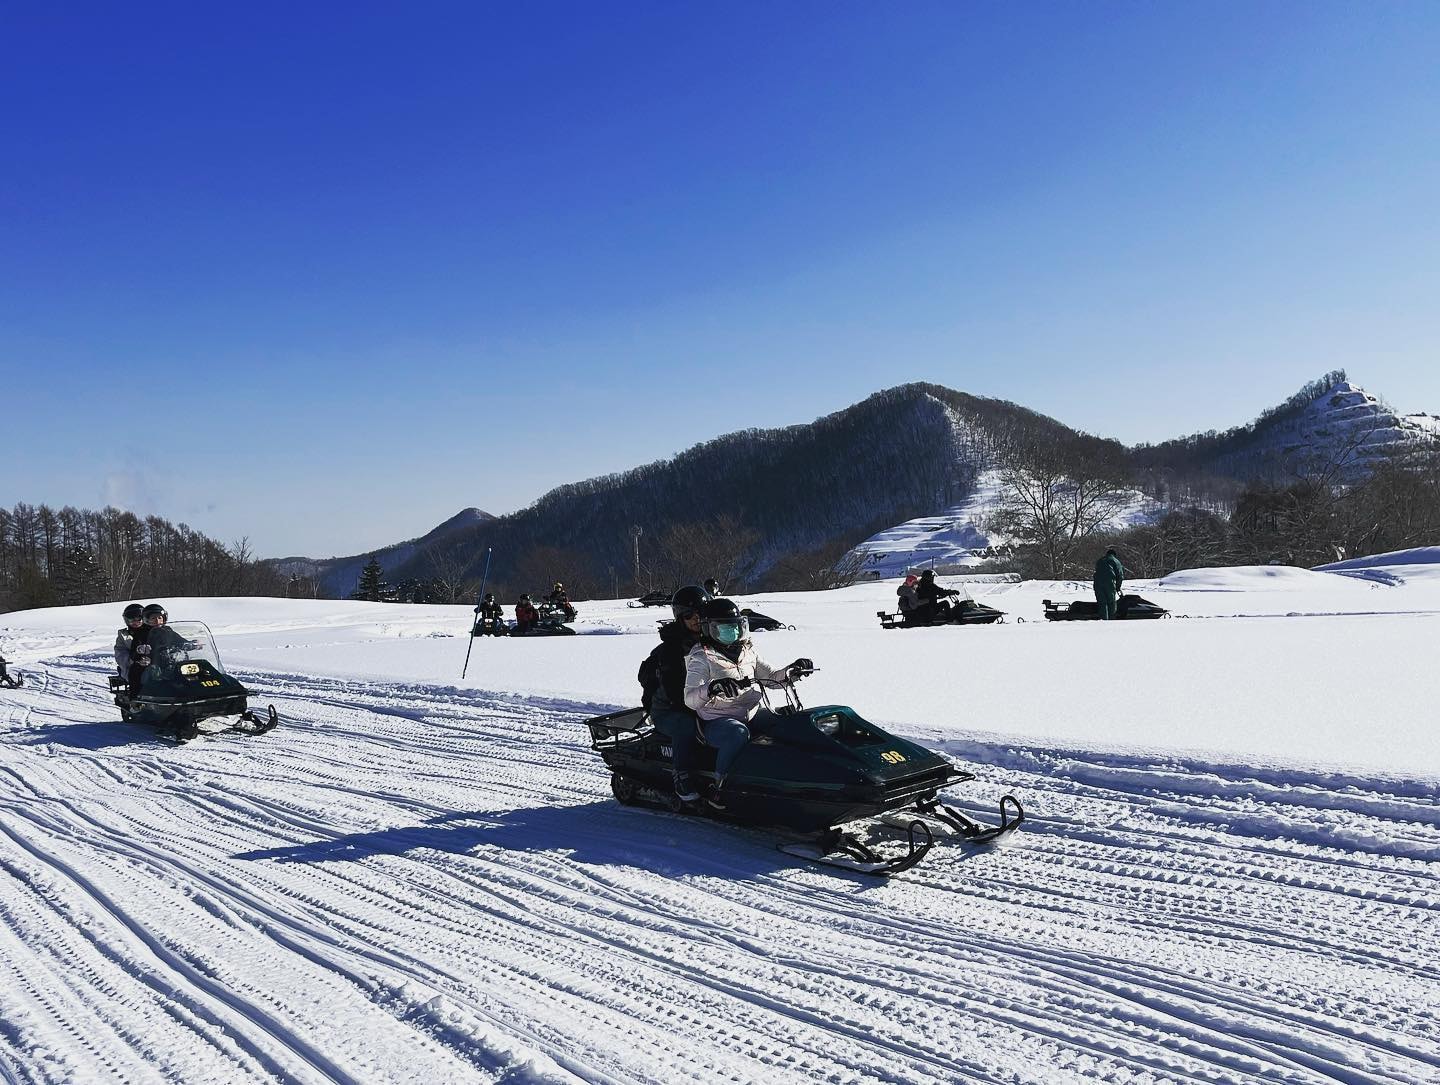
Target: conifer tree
(372, 586)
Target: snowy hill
(1333, 420)
(1228, 874)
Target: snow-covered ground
(1229, 871)
(963, 534)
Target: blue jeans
(678, 725)
(729, 737)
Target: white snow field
(1228, 872)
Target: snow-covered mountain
(904, 470)
(1334, 421)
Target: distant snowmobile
(656, 598)
(1128, 607)
(818, 776)
(185, 684)
(12, 681)
(551, 623)
(759, 623)
(962, 612)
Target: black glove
(801, 666)
(724, 687)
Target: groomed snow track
(423, 884)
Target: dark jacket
(664, 667)
(1109, 575)
(492, 609)
(930, 592)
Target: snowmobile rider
(714, 669)
(712, 587)
(662, 678)
(909, 602)
(492, 616)
(525, 614)
(561, 600)
(134, 616)
(1109, 576)
(932, 596)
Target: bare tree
(1059, 494)
(718, 547)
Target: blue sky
(322, 275)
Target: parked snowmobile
(1082, 610)
(961, 612)
(551, 623)
(817, 775)
(185, 684)
(12, 681)
(761, 622)
(656, 598)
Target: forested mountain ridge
(810, 488)
(807, 492)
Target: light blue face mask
(727, 632)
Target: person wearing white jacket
(715, 688)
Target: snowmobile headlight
(189, 668)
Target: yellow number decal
(893, 757)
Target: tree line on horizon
(68, 556)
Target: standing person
(932, 596)
(1109, 576)
(134, 616)
(525, 614)
(662, 678)
(730, 713)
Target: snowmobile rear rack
(12, 681)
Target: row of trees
(67, 556)
(1060, 506)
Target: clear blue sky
(324, 274)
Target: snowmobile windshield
(179, 645)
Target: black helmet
(688, 600)
(134, 613)
(154, 609)
(722, 623)
(712, 586)
(489, 595)
(525, 595)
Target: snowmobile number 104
(185, 684)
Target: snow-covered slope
(1229, 873)
(1346, 425)
(962, 535)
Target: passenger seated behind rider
(525, 614)
(125, 639)
(714, 669)
(909, 603)
(662, 676)
(932, 596)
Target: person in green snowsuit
(1109, 575)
